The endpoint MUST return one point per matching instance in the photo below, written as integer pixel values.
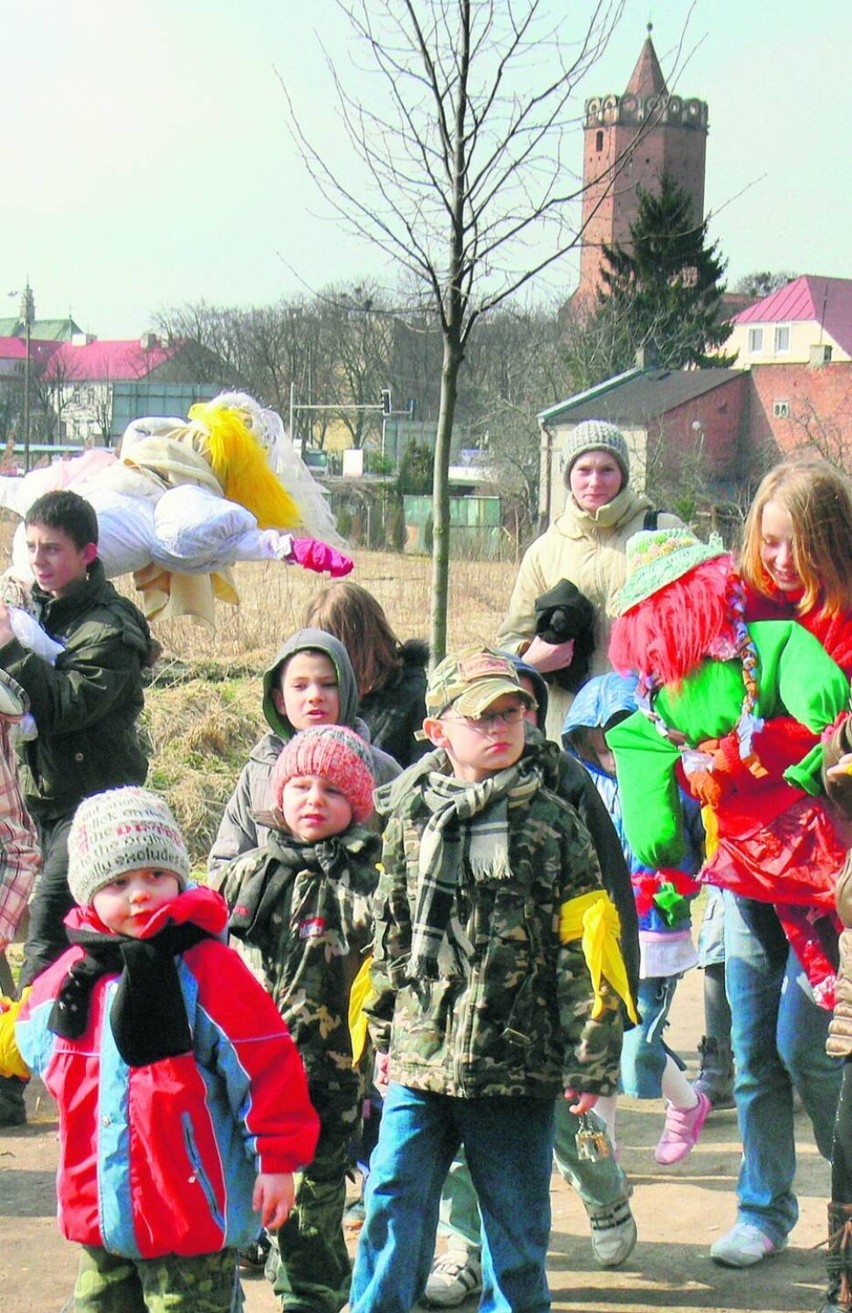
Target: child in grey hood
(310, 682)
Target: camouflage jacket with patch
(307, 910)
(518, 1021)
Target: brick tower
(650, 133)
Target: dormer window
(782, 339)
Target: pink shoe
(681, 1131)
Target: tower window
(598, 141)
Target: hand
(273, 1197)
(582, 1102)
(6, 631)
(381, 1067)
(545, 657)
(315, 555)
(840, 768)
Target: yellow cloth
(361, 994)
(711, 831)
(593, 919)
(173, 462)
(11, 1062)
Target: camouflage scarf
(467, 832)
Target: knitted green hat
(658, 557)
(595, 435)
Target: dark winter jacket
(396, 710)
(87, 705)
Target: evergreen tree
(666, 291)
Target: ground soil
(680, 1211)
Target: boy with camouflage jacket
(304, 903)
(488, 905)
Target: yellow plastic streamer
(361, 994)
(11, 1062)
(239, 463)
(592, 918)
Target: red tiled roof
(15, 348)
(647, 77)
(107, 361)
(827, 301)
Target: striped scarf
(467, 835)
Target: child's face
(309, 694)
(593, 747)
(313, 809)
(55, 559)
(777, 554)
(479, 748)
(125, 904)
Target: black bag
(560, 614)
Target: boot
(838, 1297)
(716, 1073)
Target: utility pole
(28, 317)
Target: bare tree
(470, 189)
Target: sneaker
(253, 1257)
(613, 1233)
(681, 1131)
(744, 1245)
(454, 1277)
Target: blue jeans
(509, 1145)
(778, 1036)
(599, 1183)
(643, 1051)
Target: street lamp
(27, 317)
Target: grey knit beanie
(118, 831)
(595, 435)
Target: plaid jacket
(19, 852)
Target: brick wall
(818, 405)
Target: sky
(146, 163)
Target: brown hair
(353, 615)
(818, 500)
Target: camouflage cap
(471, 680)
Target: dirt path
(679, 1212)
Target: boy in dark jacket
(85, 706)
(485, 1004)
(183, 1103)
(304, 904)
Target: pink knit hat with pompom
(334, 753)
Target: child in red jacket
(183, 1103)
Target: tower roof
(647, 77)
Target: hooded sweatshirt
(241, 829)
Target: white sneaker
(613, 1233)
(744, 1245)
(455, 1276)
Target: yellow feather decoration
(240, 464)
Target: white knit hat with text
(118, 831)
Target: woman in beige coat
(585, 545)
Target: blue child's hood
(597, 702)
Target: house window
(781, 409)
(755, 341)
(782, 338)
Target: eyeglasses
(490, 721)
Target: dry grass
(274, 599)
